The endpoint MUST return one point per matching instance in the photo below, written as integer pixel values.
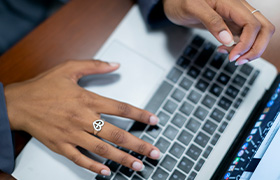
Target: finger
(81, 160)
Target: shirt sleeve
(6, 144)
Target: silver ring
(256, 10)
(97, 126)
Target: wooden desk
(78, 30)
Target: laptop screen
(260, 138)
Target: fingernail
(226, 38)
(105, 172)
(138, 166)
(153, 120)
(240, 62)
(234, 58)
(114, 64)
(223, 51)
(155, 154)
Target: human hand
(59, 113)
(225, 18)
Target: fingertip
(153, 120)
(114, 64)
(105, 172)
(226, 38)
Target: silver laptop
(214, 115)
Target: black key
(178, 120)
(192, 176)
(218, 60)
(160, 174)
(223, 78)
(209, 74)
(217, 115)
(137, 128)
(101, 177)
(194, 152)
(193, 125)
(168, 163)
(185, 137)
(222, 127)
(230, 114)
(119, 177)
(147, 139)
(159, 97)
(216, 90)
(245, 91)
(154, 131)
(239, 80)
(174, 74)
(190, 52)
(254, 77)
(209, 127)
(137, 155)
(205, 54)
(215, 139)
(230, 68)
(153, 162)
(199, 165)
(237, 103)
(186, 83)
(177, 175)
(193, 72)
(186, 108)
(170, 106)
(177, 150)
(183, 62)
(178, 95)
(185, 165)
(135, 177)
(202, 85)
(201, 139)
(112, 165)
(208, 101)
(197, 41)
(146, 173)
(194, 96)
(126, 171)
(162, 144)
(232, 91)
(246, 69)
(225, 103)
(200, 113)
(170, 132)
(124, 149)
(207, 151)
(163, 118)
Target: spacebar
(159, 97)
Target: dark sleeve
(6, 144)
(153, 13)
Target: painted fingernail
(105, 172)
(138, 166)
(155, 154)
(114, 64)
(226, 38)
(223, 51)
(234, 58)
(240, 62)
(154, 120)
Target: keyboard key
(217, 115)
(218, 60)
(160, 174)
(154, 131)
(192, 176)
(185, 137)
(237, 103)
(232, 91)
(230, 68)
(223, 127)
(209, 74)
(193, 72)
(207, 151)
(205, 54)
(185, 165)
(170, 132)
(137, 155)
(159, 96)
(168, 163)
(216, 90)
(215, 139)
(197, 41)
(186, 83)
(183, 62)
(101, 177)
(146, 173)
(178, 95)
(245, 91)
(246, 69)
(163, 118)
(199, 165)
(193, 125)
(200, 113)
(194, 96)
(162, 144)
(177, 175)
(137, 128)
(225, 103)
(177, 150)
(223, 78)
(194, 152)
(190, 52)
(186, 108)
(147, 139)
(208, 101)
(126, 171)
(153, 162)
(201, 139)
(209, 127)
(170, 106)
(239, 80)
(254, 77)
(119, 177)
(178, 120)
(112, 165)
(135, 177)
(174, 75)
(230, 114)
(202, 85)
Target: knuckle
(255, 53)
(101, 149)
(118, 136)
(85, 99)
(215, 21)
(271, 28)
(142, 148)
(124, 109)
(76, 158)
(124, 159)
(92, 167)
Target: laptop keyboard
(195, 103)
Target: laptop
(217, 120)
